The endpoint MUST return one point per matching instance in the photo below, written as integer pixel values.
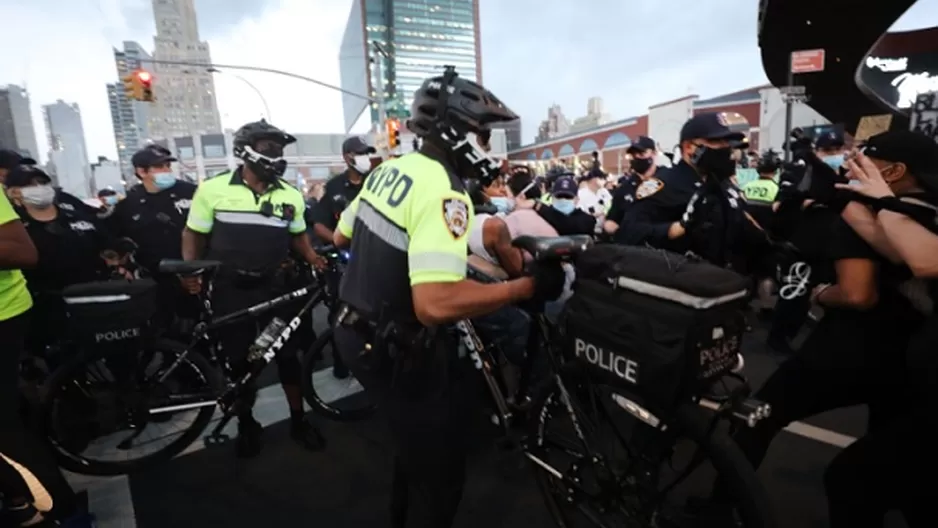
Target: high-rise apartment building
(185, 95)
(16, 122)
(420, 38)
(555, 125)
(68, 153)
(129, 118)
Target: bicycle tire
(319, 404)
(752, 501)
(78, 464)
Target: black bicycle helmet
(451, 102)
(249, 134)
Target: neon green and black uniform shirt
(14, 297)
(249, 231)
(762, 190)
(408, 226)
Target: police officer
(408, 231)
(761, 192)
(337, 194)
(342, 189)
(641, 168)
(692, 206)
(153, 215)
(254, 219)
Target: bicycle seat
(546, 248)
(187, 267)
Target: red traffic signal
(144, 77)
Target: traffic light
(139, 86)
(394, 133)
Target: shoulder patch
(456, 216)
(648, 188)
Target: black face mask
(714, 162)
(641, 165)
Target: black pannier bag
(110, 312)
(658, 324)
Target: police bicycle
(588, 482)
(116, 398)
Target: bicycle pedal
(217, 440)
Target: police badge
(456, 216)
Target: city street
(347, 484)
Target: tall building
(185, 95)
(555, 125)
(106, 174)
(129, 118)
(16, 122)
(68, 152)
(420, 38)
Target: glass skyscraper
(419, 36)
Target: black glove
(549, 279)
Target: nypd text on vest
(621, 366)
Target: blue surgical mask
(564, 205)
(502, 204)
(110, 200)
(164, 180)
(834, 161)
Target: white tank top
(477, 241)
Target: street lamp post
(260, 95)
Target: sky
(534, 53)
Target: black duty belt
(383, 330)
(354, 320)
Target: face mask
(834, 162)
(504, 205)
(40, 196)
(362, 164)
(271, 166)
(110, 200)
(641, 165)
(715, 162)
(163, 180)
(564, 205)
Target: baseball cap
(564, 186)
(916, 150)
(714, 125)
(642, 144)
(151, 156)
(831, 139)
(357, 145)
(24, 175)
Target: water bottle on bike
(265, 339)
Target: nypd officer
(408, 231)
(153, 215)
(337, 194)
(254, 219)
(692, 206)
(641, 168)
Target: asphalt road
(347, 485)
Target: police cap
(714, 125)
(917, 151)
(829, 140)
(9, 159)
(26, 175)
(642, 144)
(356, 145)
(151, 156)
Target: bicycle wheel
(96, 408)
(342, 400)
(586, 482)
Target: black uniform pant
(790, 315)
(427, 413)
(232, 294)
(17, 441)
(829, 372)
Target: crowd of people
(850, 232)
